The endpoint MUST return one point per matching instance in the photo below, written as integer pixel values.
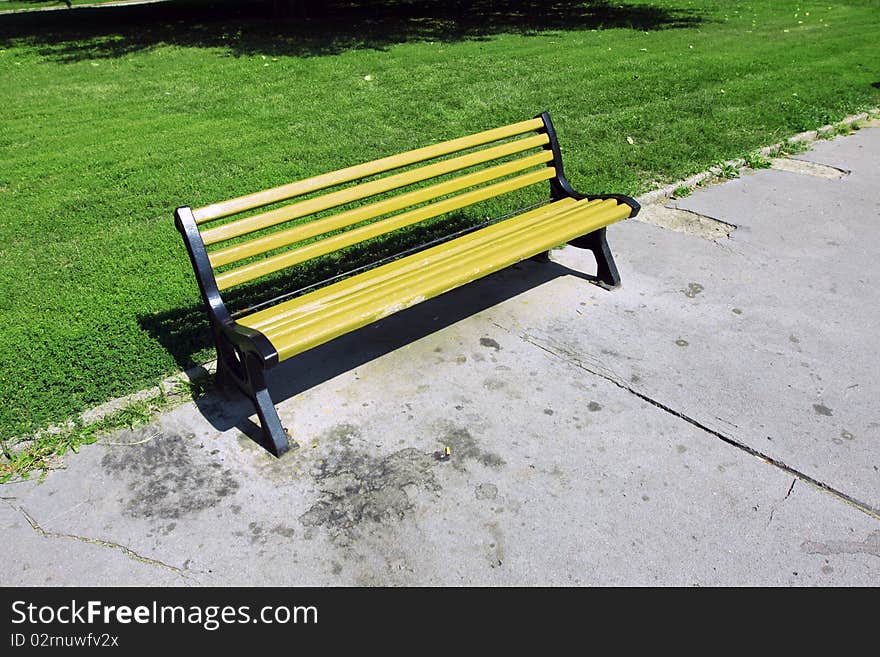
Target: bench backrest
(471, 169)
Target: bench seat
(305, 322)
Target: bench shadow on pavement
(352, 350)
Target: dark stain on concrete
(496, 559)
(283, 531)
(167, 478)
(489, 342)
(342, 434)
(465, 448)
(844, 436)
(693, 289)
(258, 533)
(359, 488)
(548, 411)
(594, 407)
(486, 492)
(871, 546)
(361, 492)
(821, 409)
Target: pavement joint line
(127, 551)
(573, 359)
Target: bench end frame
(606, 269)
(243, 354)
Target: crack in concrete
(127, 551)
(567, 356)
(787, 495)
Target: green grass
(111, 121)
(42, 4)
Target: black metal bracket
(243, 354)
(596, 241)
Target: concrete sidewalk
(714, 421)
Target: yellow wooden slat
(281, 261)
(303, 308)
(315, 307)
(269, 196)
(341, 197)
(317, 227)
(430, 280)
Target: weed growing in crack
(754, 160)
(681, 191)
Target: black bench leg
(606, 270)
(276, 437)
(236, 373)
(229, 377)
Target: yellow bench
(242, 241)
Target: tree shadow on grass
(249, 28)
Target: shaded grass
(109, 125)
(42, 4)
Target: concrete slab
(596, 438)
(792, 297)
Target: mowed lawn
(10, 5)
(113, 117)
